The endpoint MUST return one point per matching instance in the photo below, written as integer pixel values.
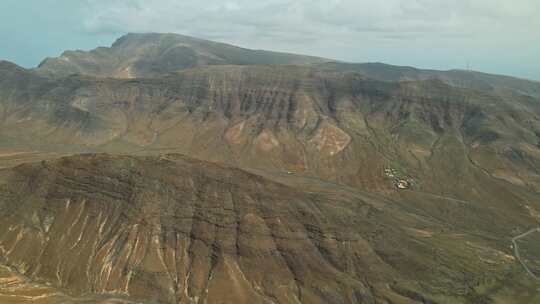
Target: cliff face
(175, 230)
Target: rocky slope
(16, 289)
(171, 229)
(338, 126)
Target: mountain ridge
(152, 54)
(202, 181)
(297, 117)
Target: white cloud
(358, 30)
(319, 17)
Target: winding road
(516, 250)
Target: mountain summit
(150, 55)
(153, 55)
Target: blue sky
(497, 36)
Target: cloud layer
(498, 36)
(314, 18)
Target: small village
(400, 182)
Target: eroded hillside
(338, 126)
(176, 230)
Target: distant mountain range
(152, 55)
(242, 176)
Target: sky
(495, 36)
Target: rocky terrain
(338, 126)
(176, 230)
(240, 176)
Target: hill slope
(338, 126)
(175, 230)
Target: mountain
(150, 55)
(154, 55)
(459, 78)
(171, 229)
(338, 126)
(265, 181)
